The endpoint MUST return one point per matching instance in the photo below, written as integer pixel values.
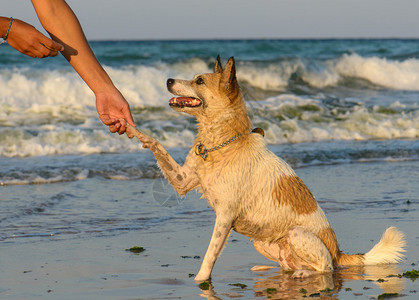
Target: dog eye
(200, 81)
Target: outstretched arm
(27, 39)
(62, 24)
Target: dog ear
(230, 71)
(218, 67)
(229, 77)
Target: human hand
(28, 40)
(114, 111)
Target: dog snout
(170, 82)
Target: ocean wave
(399, 75)
(52, 112)
(53, 90)
(381, 72)
(293, 119)
(145, 85)
(33, 142)
(285, 119)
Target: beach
(360, 201)
(74, 198)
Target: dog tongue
(182, 99)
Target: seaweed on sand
(135, 249)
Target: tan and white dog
(251, 190)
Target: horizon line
(249, 39)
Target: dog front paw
(147, 141)
(131, 131)
(200, 278)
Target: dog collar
(201, 150)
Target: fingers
(53, 45)
(49, 51)
(37, 51)
(113, 128)
(119, 126)
(52, 48)
(114, 125)
(122, 127)
(40, 51)
(45, 47)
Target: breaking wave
(381, 72)
(52, 112)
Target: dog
(251, 190)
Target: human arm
(27, 39)
(63, 26)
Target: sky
(235, 19)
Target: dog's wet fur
(251, 190)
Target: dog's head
(206, 93)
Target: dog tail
(388, 250)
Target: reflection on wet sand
(281, 285)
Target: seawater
(321, 92)
(344, 113)
(344, 100)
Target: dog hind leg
(309, 253)
(269, 250)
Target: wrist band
(8, 29)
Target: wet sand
(360, 201)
